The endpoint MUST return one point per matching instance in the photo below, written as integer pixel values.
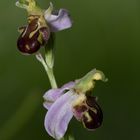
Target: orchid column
(72, 99)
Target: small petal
(60, 21)
(53, 94)
(59, 115)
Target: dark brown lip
(32, 37)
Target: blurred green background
(105, 35)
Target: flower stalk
(49, 70)
(48, 62)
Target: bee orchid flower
(41, 23)
(73, 99)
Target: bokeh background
(105, 35)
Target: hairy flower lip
(32, 36)
(88, 112)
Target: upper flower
(40, 25)
(73, 99)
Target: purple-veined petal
(50, 96)
(59, 21)
(68, 85)
(59, 115)
(53, 94)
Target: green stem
(51, 78)
(48, 70)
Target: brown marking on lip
(95, 120)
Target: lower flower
(69, 101)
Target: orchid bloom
(40, 25)
(73, 99)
